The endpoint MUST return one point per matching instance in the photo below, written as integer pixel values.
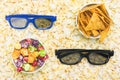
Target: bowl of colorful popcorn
(29, 56)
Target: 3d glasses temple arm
(112, 53)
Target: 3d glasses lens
(98, 58)
(18, 22)
(71, 58)
(42, 23)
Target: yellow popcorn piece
(31, 59)
(17, 46)
(15, 54)
(32, 68)
(35, 54)
(24, 52)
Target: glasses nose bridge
(31, 20)
(84, 54)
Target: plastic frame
(84, 53)
(30, 19)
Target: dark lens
(98, 58)
(42, 23)
(71, 58)
(18, 22)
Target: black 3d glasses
(74, 56)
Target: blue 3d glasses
(21, 21)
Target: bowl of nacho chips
(93, 21)
(29, 56)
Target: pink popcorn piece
(19, 60)
(40, 62)
(29, 40)
(35, 63)
(35, 43)
(40, 48)
(43, 58)
(19, 69)
(18, 63)
(24, 44)
(21, 57)
(25, 59)
(46, 57)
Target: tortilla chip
(101, 13)
(103, 9)
(98, 11)
(87, 17)
(83, 19)
(95, 23)
(89, 33)
(81, 25)
(106, 23)
(89, 13)
(95, 33)
(104, 34)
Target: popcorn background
(64, 34)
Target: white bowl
(91, 37)
(36, 70)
